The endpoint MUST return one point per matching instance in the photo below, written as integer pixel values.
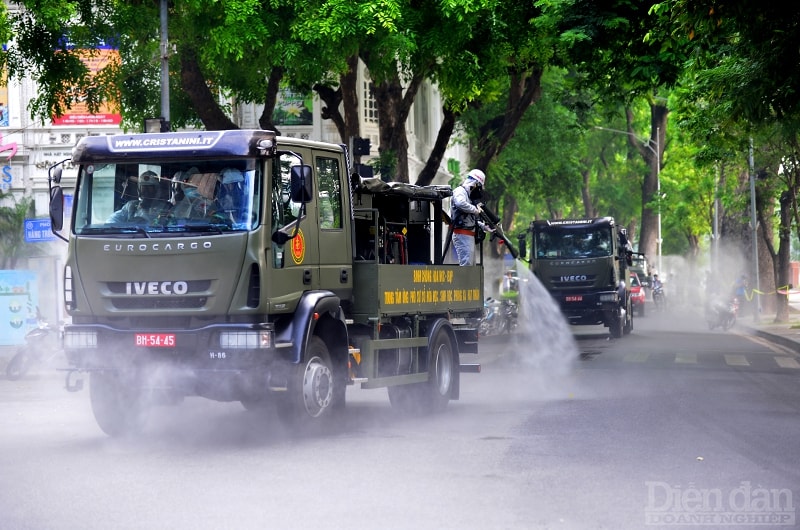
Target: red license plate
(155, 340)
(576, 298)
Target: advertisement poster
(293, 109)
(79, 114)
(3, 98)
(19, 297)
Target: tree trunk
(651, 153)
(783, 258)
(525, 89)
(586, 194)
(203, 101)
(271, 99)
(393, 106)
(434, 161)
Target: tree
(12, 230)
(745, 45)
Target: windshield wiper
(113, 229)
(205, 227)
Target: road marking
(638, 357)
(736, 360)
(787, 362)
(688, 358)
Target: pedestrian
(465, 211)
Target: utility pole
(658, 192)
(164, 46)
(754, 227)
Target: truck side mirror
(522, 246)
(302, 184)
(56, 208)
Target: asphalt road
(670, 425)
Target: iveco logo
(574, 278)
(153, 288)
(157, 247)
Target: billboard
(293, 108)
(19, 297)
(3, 97)
(107, 114)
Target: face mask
(476, 193)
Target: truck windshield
(588, 242)
(150, 198)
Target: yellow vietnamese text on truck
(244, 266)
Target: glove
(480, 210)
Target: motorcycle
(498, 317)
(659, 298)
(722, 313)
(42, 344)
(509, 313)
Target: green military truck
(257, 269)
(583, 264)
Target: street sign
(38, 231)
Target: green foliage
(12, 231)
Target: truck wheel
(310, 394)
(434, 394)
(615, 328)
(628, 326)
(442, 370)
(117, 407)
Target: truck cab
(243, 266)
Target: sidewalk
(786, 334)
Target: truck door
(335, 255)
(295, 264)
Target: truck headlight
(250, 340)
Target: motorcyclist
(658, 291)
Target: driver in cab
(147, 207)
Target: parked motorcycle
(509, 313)
(722, 313)
(42, 344)
(498, 317)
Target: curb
(776, 339)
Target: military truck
(583, 265)
(262, 271)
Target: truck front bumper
(222, 361)
(586, 309)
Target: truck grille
(133, 296)
(573, 282)
(194, 302)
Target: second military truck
(583, 264)
(260, 270)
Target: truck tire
(628, 326)
(616, 325)
(310, 394)
(442, 370)
(116, 406)
(434, 394)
